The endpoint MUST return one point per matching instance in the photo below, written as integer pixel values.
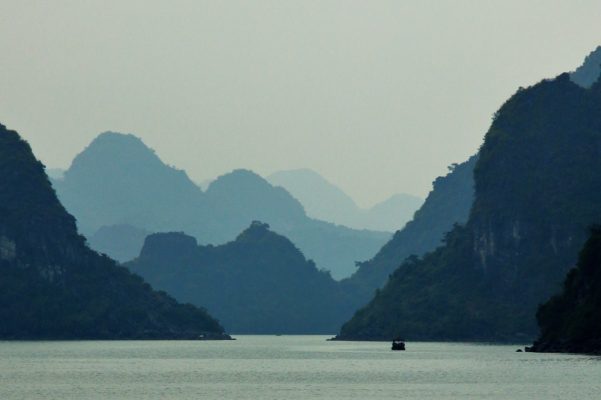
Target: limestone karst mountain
(117, 180)
(325, 201)
(448, 203)
(52, 286)
(259, 283)
(537, 189)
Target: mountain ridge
(52, 286)
(448, 203)
(144, 193)
(536, 192)
(260, 283)
(325, 201)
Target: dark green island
(52, 286)
(537, 190)
(571, 321)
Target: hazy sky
(378, 96)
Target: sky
(377, 96)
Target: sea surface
(289, 367)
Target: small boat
(398, 344)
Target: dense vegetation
(53, 287)
(259, 283)
(327, 202)
(571, 321)
(448, 203)
(537, 188)
(117, 180)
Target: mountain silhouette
(325, 201)
(117, 180)
(259, 283)
(52, 286)
(537, 189)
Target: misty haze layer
(324, 200)
(378, 96)
(119, 189)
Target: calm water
(289, 367)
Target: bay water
(289, 367)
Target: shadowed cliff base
(571, 321)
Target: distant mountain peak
(241, 188)
(325, 201)
(259, 226)
(588, 73)
(113, 135)
(117, 179)
(117, 140)
(159, 244)
(112, 152)
(238, 177)
(257, 231)
(115, 146)
(243, 172)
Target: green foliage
(537, 188)
(571, 321)
(53, 287)
(448, 203)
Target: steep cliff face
(536, 186)
(537, 189)
(571, 321)
(259, 283)
(448, 203)
(53, 287)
